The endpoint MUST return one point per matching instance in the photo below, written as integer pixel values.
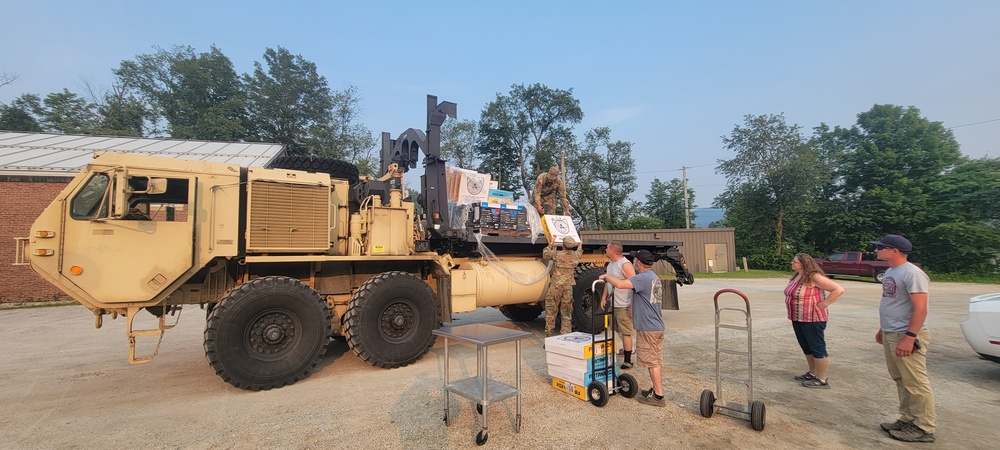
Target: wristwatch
(911, 334)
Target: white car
(982, 330)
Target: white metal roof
(43, 154)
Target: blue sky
(670, 77)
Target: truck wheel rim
(271, 333)
(397, 321)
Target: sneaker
(805, 377)
(911, 433)
(651, 400)
(626, 365)
(646, 392)
(899, 424)
(817, 384)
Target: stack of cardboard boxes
(577, 359)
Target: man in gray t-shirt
(904, 337)
(647, 296)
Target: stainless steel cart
(752, 410)
(481, 388)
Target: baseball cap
(569, 242)
(895, 241)
(645, 257)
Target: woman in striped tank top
(808, 295)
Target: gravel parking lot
(67, 385)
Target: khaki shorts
(623, 322)
(649, 346)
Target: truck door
(852, 263)
(127, 235)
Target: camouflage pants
(549, 204)
(559, 301)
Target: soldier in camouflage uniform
(561, 281)
(546, 187)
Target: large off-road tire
(522, 312)
(267, 333)
(390, 320)
(336, 168)
(585, 301)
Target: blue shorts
(811, 338)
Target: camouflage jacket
(564, 263)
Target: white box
(467, 186)
(577, 364)
(578, 345)
(583, 378)
(558, 227)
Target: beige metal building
(705, 249)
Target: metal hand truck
(624, 384)
(752, 410)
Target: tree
(774, 163)
(120, 113)
(69, 113)
(22, 114)
(458, 143)
(289, 102)
(199, 96)
(891, 160)
(7, 78)
(603, 180)
(665, 201)
(343, 137)
(639, 223)
(516, 132)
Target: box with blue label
(499, 196)
(583, 378)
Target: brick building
(35, 167)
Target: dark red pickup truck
(860, 264)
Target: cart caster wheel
(757, 414)
(628, 385)
(479, 408)
(707, 403)
(597, 393)
(482, 437)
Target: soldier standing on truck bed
(546, 187)
(561, 282)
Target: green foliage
(959, 247)
(602, 180)
(665, 201)
(289, 102)
(521, 133)
(22, 114)
(639, 223)
(771, 181)
(67, 112)
(458, 143)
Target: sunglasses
(881, 247)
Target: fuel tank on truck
(497, 283)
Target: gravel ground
(66, 385)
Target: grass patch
(745, 274)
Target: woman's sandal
(805, 377)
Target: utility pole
(687, 210)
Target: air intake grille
(288, 218)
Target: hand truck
(752, 410)
(625, 384)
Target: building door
(717, 258)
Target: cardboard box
(575, 390)
(579, 345)
(467, 186)
(502, 197)
(556, 228)
(583, 378)
(575, 364)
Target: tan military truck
(283, 258)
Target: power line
(975, 123)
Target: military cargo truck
(284, 258)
